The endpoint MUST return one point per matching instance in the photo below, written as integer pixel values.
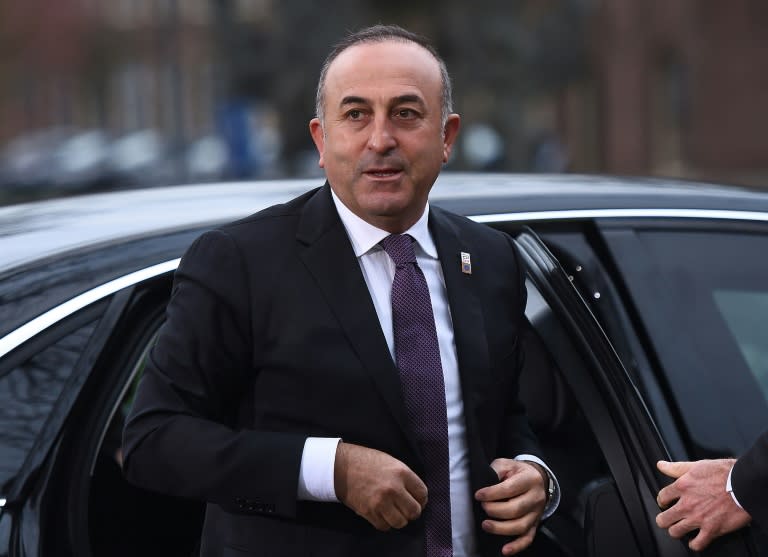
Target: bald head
(380, 34)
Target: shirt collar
(365, 237)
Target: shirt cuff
(729, 489)
(553, 489)
(316, 472)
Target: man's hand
(516, 503)
(697, 500)
(377, 486)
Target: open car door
(597, 433)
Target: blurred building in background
(682, 84)
(99, 94)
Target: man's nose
(382, 138)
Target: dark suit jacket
(750, 481)
(271, 337)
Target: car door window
(580, 250)
(702, 295)
(30, 388)
(745, 312)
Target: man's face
(381, 143)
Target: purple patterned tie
(421, 376)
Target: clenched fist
(377, 486)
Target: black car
(647, 304)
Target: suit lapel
(468, 329)
(466, 311)
(327, 253)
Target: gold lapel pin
(466, 263)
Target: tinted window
(28, 393)
(702, 296)
(745, 315)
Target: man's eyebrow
(352, 100)
(408, 99)
(401, 99)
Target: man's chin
(389, 207)
(394, 217)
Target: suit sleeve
(181, 436)
(749, 480)
(517, 436)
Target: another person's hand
(377, 486)
(697, 500)
(515, 504)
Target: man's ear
(316, 131)
(450, 131)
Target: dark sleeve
(181, 436)
(750, 481)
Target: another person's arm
(698, 499)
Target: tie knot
(400, 248)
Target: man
(298, 387)
(715, 497)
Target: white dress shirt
(729, 488)
(317, 463)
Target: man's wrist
(551, 485)
(729, 486)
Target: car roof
(31, 231)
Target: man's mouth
(382, 172)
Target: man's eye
(354, 114)
(406, 113)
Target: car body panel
(30, 232)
